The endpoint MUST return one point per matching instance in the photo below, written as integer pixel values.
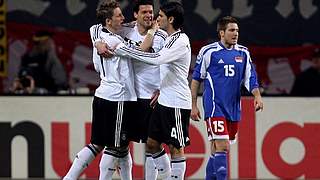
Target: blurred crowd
(41, 72)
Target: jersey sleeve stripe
(160, 34)
(139, 53)
(173, 39)
(96, 32)
(101, 61)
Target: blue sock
(210, 173)
(220, 164)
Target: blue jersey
(224, 71)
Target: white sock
(81, 162)
(162, 162)
(107, 166)
(178, 168)
(151, 171)
(125, 167)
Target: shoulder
(95, 27)
(241, 48)
(127, 29)
(129, 25)
(172, 39)
(209, 48)
(161, 33)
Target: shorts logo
(123, 136)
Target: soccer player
(170, 119)
(112, 105)
(224, 66)
(146, 77)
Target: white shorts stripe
(179, 127)
(118, 124)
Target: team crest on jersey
(238, 59)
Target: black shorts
(110, 122)
(170, 126)
(139, 125)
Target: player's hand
(104, 50)
(195, 114)
(258, 104)
(155, 25)
(154, 98)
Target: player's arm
(103, 49)
(154, 98)
(148, 40)
(198, 75)
(258, 103)
(195, 113)
(94, 35)
(165, 55)
(251, 83)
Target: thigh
(221, 128)
(233, 127)
(104, 114)
(110, 123)
(138, 129)
(172, 126)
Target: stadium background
(277, 143)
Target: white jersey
(174, 60)
(146, 76)
(116, 73)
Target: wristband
(151, 32)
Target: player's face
(230, 35)
(144, 16)
(162, 21)
(117, 19)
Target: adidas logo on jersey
(220, 61)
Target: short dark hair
(105, 10)
(138, 3)
(224, 21)
(175, 10)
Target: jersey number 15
(229, 70)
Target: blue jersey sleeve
(197, 68)
(202, 62)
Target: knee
(176, 152)
(96, 148)
(221, 145)
(153, 146)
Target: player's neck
(171, 30)
(227, 45)
(142, 30)
(110, 29)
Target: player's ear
(171, 19)
(135, 15)
(221, 33)
(108, 21)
